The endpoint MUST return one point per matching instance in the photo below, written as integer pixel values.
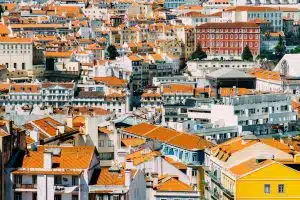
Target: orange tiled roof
(15, 40)
(18, 26)
(225, 150)
(235, 92)
(4, 86)
(104, 130)
(78, 121)
(229, 25)
(4, 29)
(29, 140)
(169, 136)
(151, 94)
(178, 88)
(142, 156)
(49, 126)
(173, 185)
(109, 178)
(132, 142)
(265, 74)
(249, 166)
(178, 165)
(135, 58)
(77, 157)
(111, 81)
(55, 54)
(9, 6)
(156, 57)
(188, 7)
(26, 88)
(52, 172)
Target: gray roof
(228, 73)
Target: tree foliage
(247, 55)
(198, 53)
(296, 50)
(112, 52)
(280, 48)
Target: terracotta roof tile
(142, 156)
(178, 88)
(77, 157)
(169, 136)
(173, 185)
(15, 40)
(132, 142)
(111, 81)
(249, 166)
(54, 54)
(229, 25)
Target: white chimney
(155, 179)
(47, 159)
(69, 120)
(61, 129)
(189, 173)
(35, 135)
(129, 164)
(127, 177)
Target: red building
(228, 40)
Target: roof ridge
(156, 127)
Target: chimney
(47, 159)
(35, 135)
(129, 164)
(155, 179)
(69, 121)
(189, 171)
(127, 177)
(61, 129)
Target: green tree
(1, 12)
(296, 50)
(112, 52)
(280, 48)
(198, 53)
(247, 55)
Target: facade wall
(16, 56)
(228, 42)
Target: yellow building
(262, 179)
(241, 167)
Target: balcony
(65, 188)
(25, 186)
(214, 177)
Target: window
(106, 156)
(110, 143)
(267, 188)
(57, 197)
(281, 188)
(101, 143)
(15, 65)
(23, 65)
(74, 180)
(116, 197)
(33, 179)
(34, 196)
(194, 172)
(74, 197)
(194, 157)
(57, 180)
(18, 196)
(18, 179)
